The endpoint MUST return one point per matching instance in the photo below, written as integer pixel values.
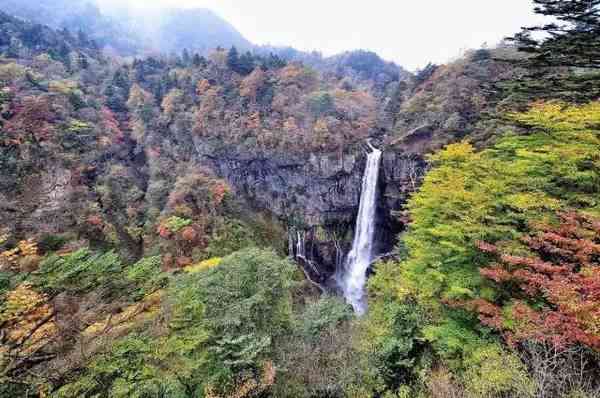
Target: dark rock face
(317, 196)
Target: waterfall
(354, 275)
(300, 245)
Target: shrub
(204, 265)
(493, 372)
(80, 272)
(247, 304)
(175, 223)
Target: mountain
(199, 30)
(76, 16)
(131, 33)
(177, 225)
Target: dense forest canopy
(140, 258)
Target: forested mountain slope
(172, 225)
(133, 33)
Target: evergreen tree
(246, 64)
(233, 59)
(82, 61)
(563, 57)
(139, 71)
(13, 49)
(198, 61)
(121, 80)
(273, 62)
(572, 42)
(186, 57)
(114, 100)
(425, 73)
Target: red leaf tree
(554, 294)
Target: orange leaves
(139, 98)
(173, 103)
(28, 247)
(202, 86)
(355, 103)
(563, 274)
(297, 75)
(218, 190)
(251, 85)
(113, 132)
(32, 120)
(26, 318)
(23, 258)
(189, 234)
(95, 220)
(163, 231)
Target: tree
(499, 195)
(572, 42)
(140, 103)
(424, 74)
(246, 64)
(33, 120)
(554, 292)
(272, 62)
(247, 308)
(185, 57)
(82, 61)
(198, 61)
(233, 59)
(251, 85)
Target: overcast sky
(409, 32)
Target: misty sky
(410, 32)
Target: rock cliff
(316, 196)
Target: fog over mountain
(411, 33)
(134, 31)
(129, 31)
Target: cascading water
(354, 275)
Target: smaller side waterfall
(354, 275)
(297, 243)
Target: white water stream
(354, 275)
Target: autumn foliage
(556, 290)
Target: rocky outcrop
(317, 196)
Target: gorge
(316, 197)
(249, 221)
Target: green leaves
(79, 272)
(497, 195)
(175, 223)
(327, 312)
(138, 366)
(147, 276)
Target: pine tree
(121, 79)
(198, 61)
(572, 44)
(233, 59)
(246, 64)
(82, 61)
(185, 57)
